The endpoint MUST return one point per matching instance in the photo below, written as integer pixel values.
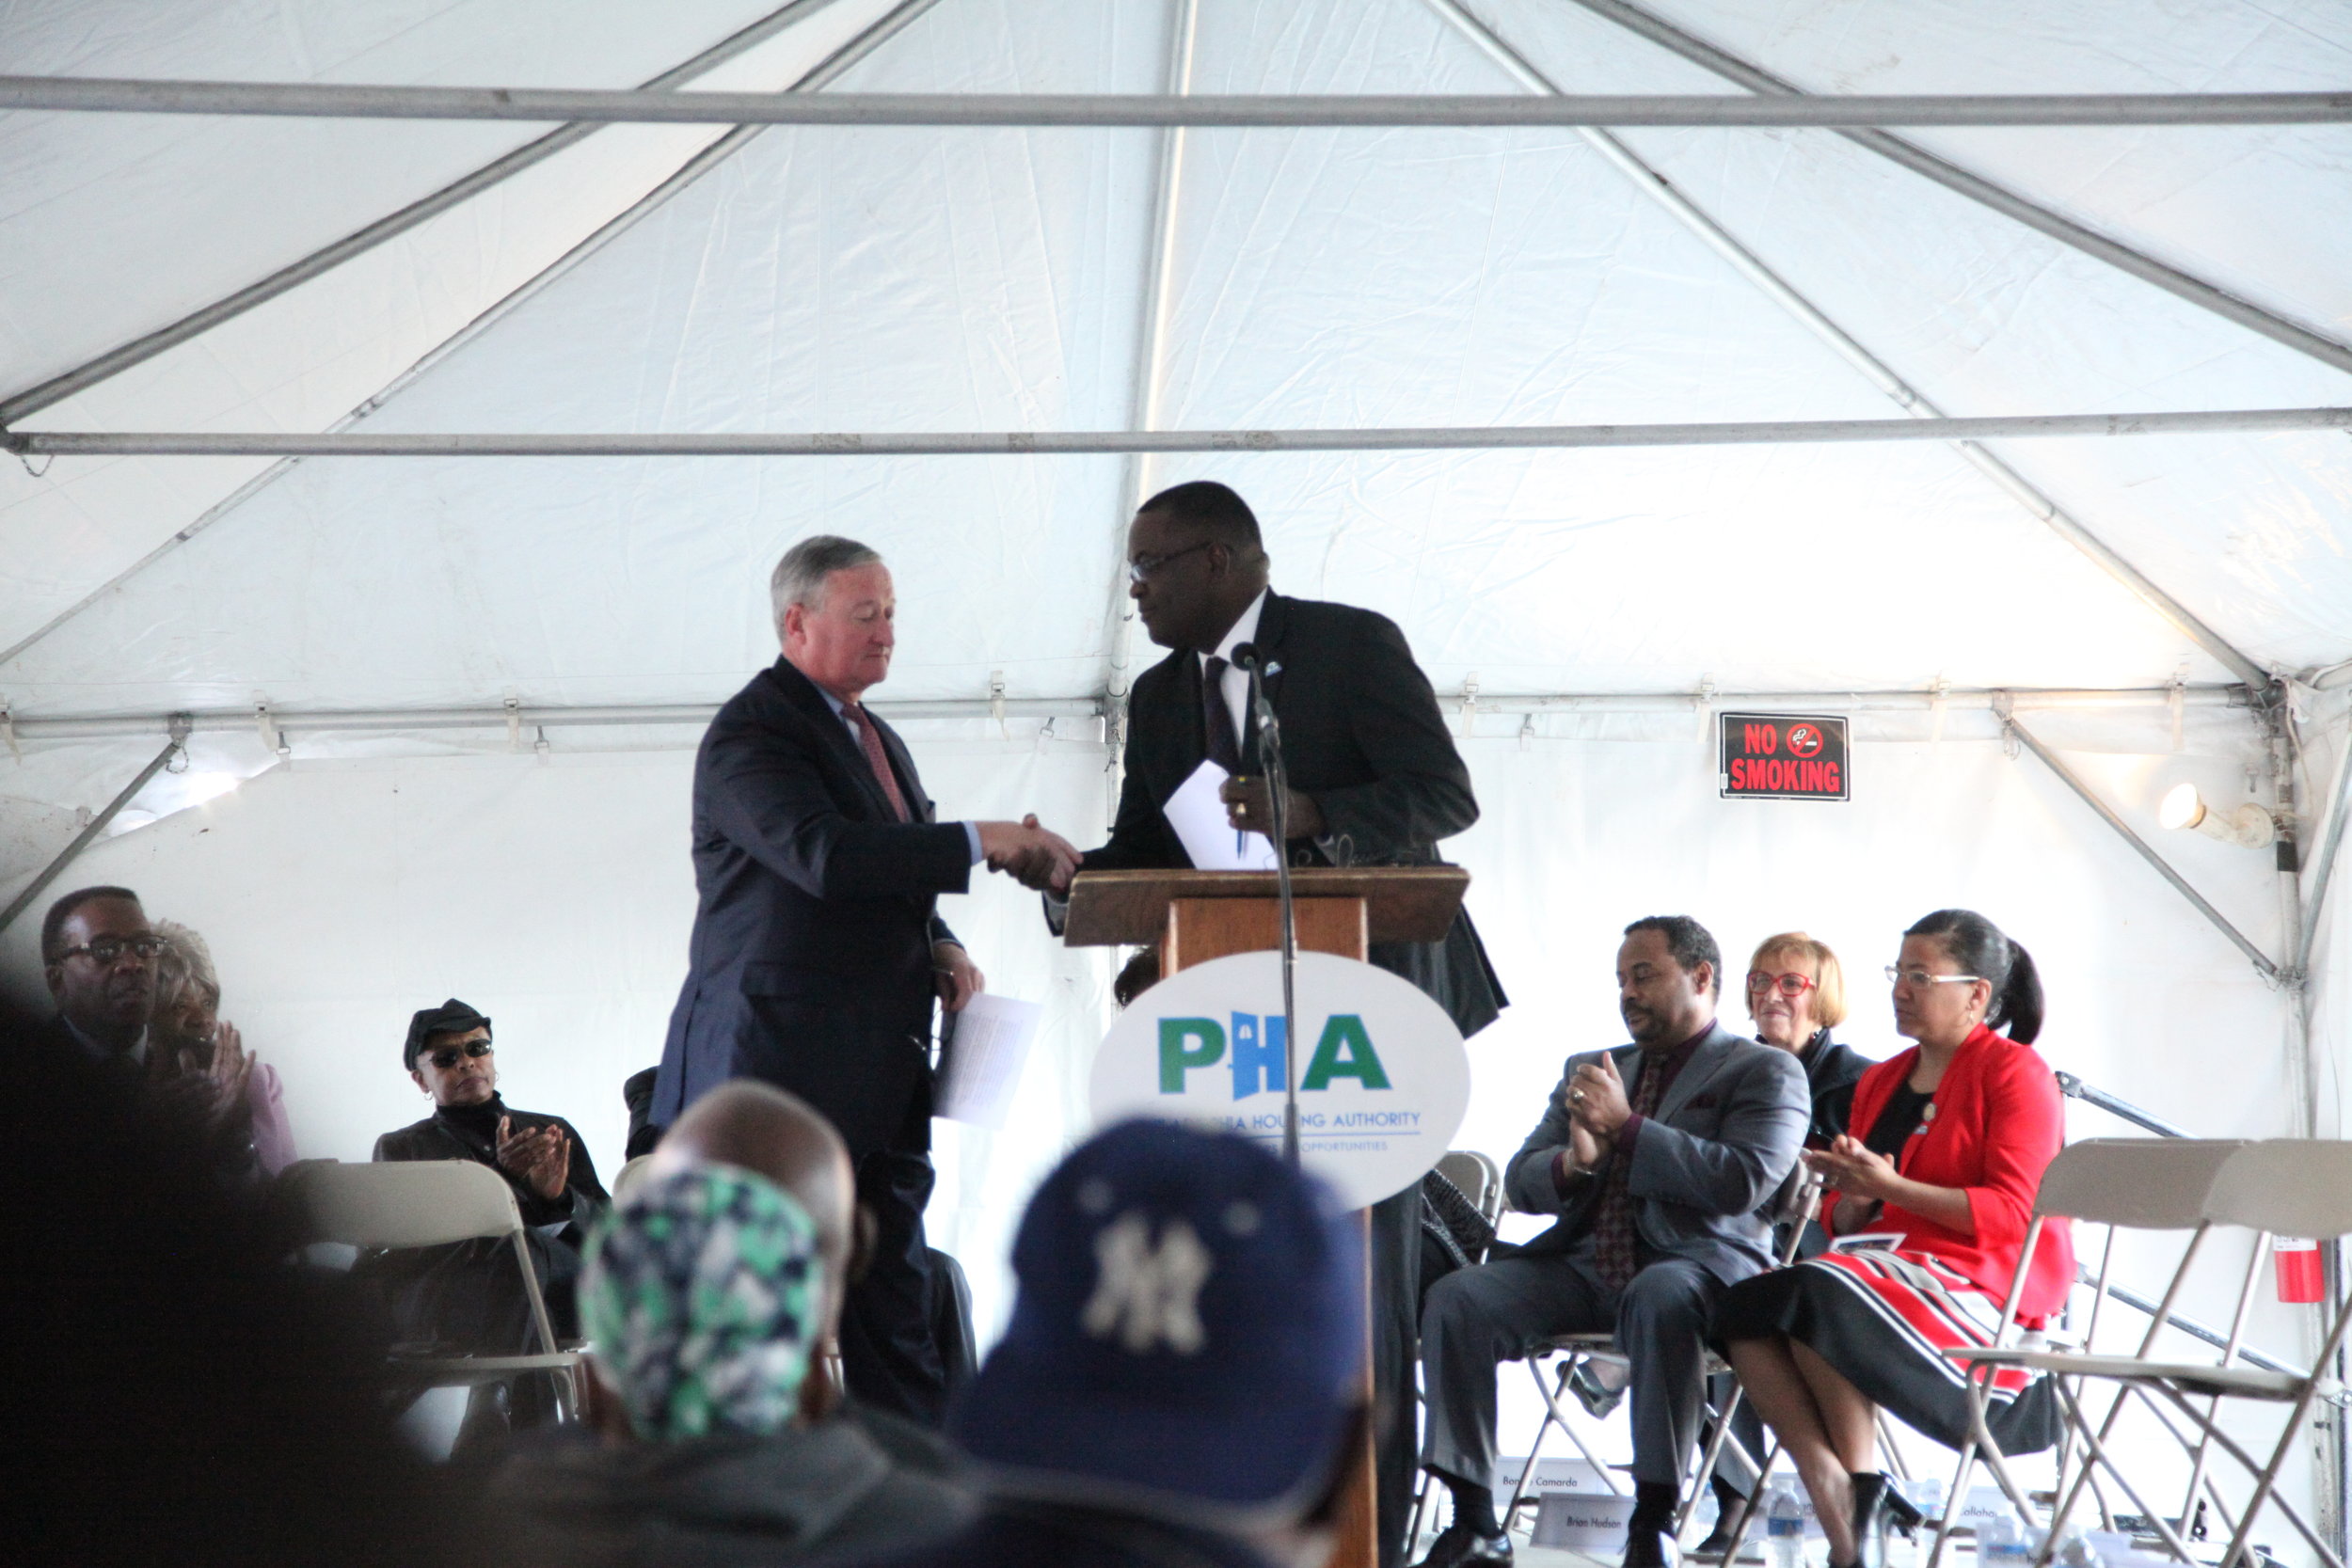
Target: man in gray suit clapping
(1661, 1159)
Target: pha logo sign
(1255, 1053)
(1383, 1079)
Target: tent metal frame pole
(1029, 443)
(2262, 961)
(2323, 868)
(343, 101)
(1151, 363)
(884, 28)
(360, 240)
(1986, 193)
(1655, 185)
(50, 873)
(98, 726)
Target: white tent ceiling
(924, 279)
(912, 279)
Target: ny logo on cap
(1145, 1293)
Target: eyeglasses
(447, 1056)
(1144, 567)
(1897, 973)
(106, 952)
(1792, 984)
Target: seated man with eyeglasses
(98, 953)
(468, 1296)
(100, 957)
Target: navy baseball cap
(1188, 1338)
(451, 1017)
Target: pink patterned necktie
(1615, 1241)
(869, 741)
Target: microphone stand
(1278, 787)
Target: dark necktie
(1224, 747)
(869, 741)
(1615, 1241)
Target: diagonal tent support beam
(1650, 183)
(881, 31)
(360, 242)
(50, 873)
(2009, 203)
(2261, 960)
(2323, 864)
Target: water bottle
(1783, 1526)
(2001, 1542)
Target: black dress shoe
(1460, 1544)
(1878, 1508)
(1652, 1548)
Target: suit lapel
(1273, 628)
(835, 734)
(1697, 1073)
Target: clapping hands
(540, 1158)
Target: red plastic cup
(2297, 1265)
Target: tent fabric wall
(912, 279)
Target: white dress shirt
(1235, 683)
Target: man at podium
(1374, 780)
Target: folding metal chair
(2283, 1186)
(1794, 1204)
(419, 1203)
(631, 1172)
(1478, 1176)
(1480, 1179)
(2124, 1184)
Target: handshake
(1030, 855)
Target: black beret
(451, 1017)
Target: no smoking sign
(1784, 756)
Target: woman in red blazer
(1947, 1145)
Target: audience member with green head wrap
(701, 1295)
(715, 1437)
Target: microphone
(1247, 658)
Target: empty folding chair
(2123, 1184)
(421, 1203)
(2284, 1186)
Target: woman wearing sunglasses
(1946, 1148)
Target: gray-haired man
(818, 947)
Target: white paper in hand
(1199, 821)
(981, 1057)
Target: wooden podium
(1198, 915)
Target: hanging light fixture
(2250, 825)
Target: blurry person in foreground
(170, 1392)
(1179, 1381)
(710, 1295)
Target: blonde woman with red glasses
(1796, 995)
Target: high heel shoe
(1878, 1507)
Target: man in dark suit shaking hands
(1374, 780)
(818, 947)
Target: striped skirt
(1884, 1320)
